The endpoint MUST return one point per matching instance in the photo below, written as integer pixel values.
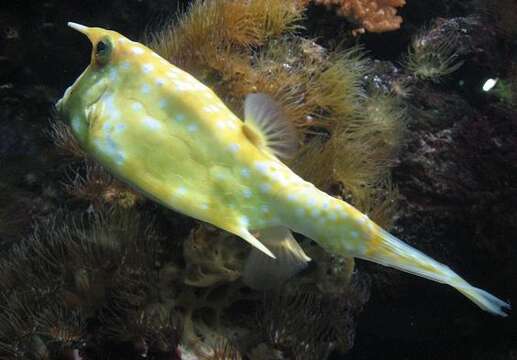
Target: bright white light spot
(489, 84)
(220, 124)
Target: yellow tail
(387, 250)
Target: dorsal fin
(267, 128)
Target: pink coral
(373, 15)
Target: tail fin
(387, 250)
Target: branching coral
(372, 15)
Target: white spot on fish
(125, 65)
(146, 89)
(162, 103)
(181, 191)
(244, 221)
(182, 86)
(111, 108)
(265, 187)
(192, 128)
(180, 117)
(234, 148)
(311, 201)
(264, 209)
(220, 124)
(332, 216)
(204, 206)
(107, 127)
(325, 204)
(210, 108)
(172, 74)
(113, 74)
(147, 68)
(245, 173)
(354, 234)
(76, 123)
(246, 193)
(136, 106)
(160, 82)
(231, 125)
(315, 212)
(262, 166)
(137, 50)
(291, 197)
(120, 127)
(152, 123)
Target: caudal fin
(387, 250)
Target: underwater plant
(432, 56)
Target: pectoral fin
(262, 272)
(267, 128)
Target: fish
(166, 134)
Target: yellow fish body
(166, 134)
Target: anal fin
(262, 272)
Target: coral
(308, 325)
(372, 15)
(212, 257)
(433, 54)
(92, 183)
(61, 135)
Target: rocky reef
(402, 125)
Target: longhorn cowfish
(172, 138)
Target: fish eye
(101, 47)
(103, 51)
